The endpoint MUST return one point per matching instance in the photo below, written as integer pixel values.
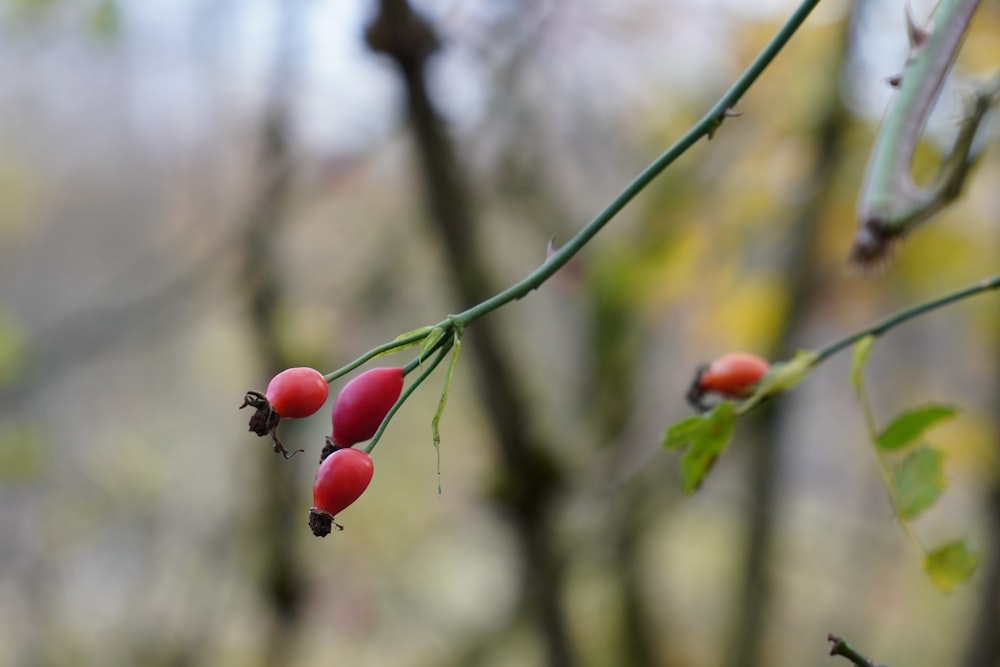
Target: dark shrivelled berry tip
(329, 447)
(696, 394)
(264, 419)
(321, 523)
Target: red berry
(297, 392)
(734, 374)
(363, 403)
(341, 479)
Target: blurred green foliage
(128, 482)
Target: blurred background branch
(199, 194)
(529, 480)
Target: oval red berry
(734, 374)
(295, 393)
(341, 479)
(363, 403)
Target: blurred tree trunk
(529, 477)
(764, 428)
(617, 345)
(983, 649)
(984, 641)
(273, 527)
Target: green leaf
(686, 431)
(912, 424)
(783, 376)
(919, 481)
(951, 565)
(707, 445)
(433, 337)
(414, 332)
(862, 349)
(442, 402)
(408, 344)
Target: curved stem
(893, 321)
(396, 344)
(706, 127)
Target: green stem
(446, 338)
(706, 127)
(872, 427)
(893, 321)
(395, 344)
(843, 649)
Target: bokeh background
(195, 194)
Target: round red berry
(363, 403)
(734, 374)
(340, 480)
(297, 392)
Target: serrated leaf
(706, 447)
(951, 565)
(685, 431)
(862, 350)
(919, 481)
(911, 425)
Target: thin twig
(843, 649)
(705, 128)
(902, 316)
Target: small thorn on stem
(841, 648)
(918, 35)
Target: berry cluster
(366, 401)
(344, 472)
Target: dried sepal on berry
(293, 393)
(264, 421)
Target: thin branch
(843, 649)
(902, 316)
(380, 37)
(706, 127)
